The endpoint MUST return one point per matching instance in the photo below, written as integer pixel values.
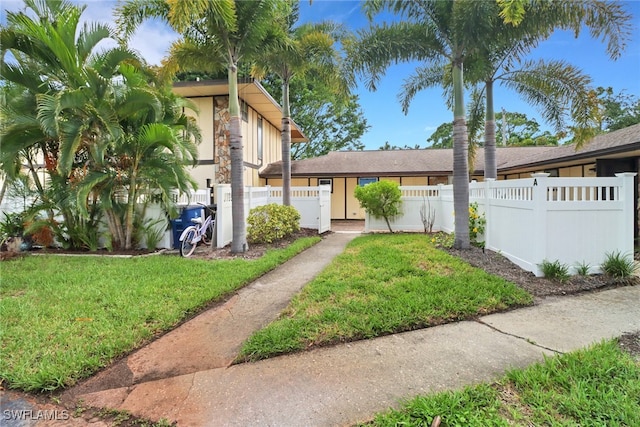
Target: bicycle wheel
(187, 247)
(208, 235)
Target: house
(605, 155)
(261, 129)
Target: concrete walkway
(185, 376)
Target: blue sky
(428, 110)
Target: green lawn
(63, 318)
(598, 386)
(380, 285)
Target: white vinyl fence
(313, 204)
(572, 220)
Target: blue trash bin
(183, 221)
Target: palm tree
(99, 122)
(216, 35)
(149, 156)
(47, 58)
(440, 34)
(308, 49)
(559, 89)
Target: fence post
(221, 214)
(627, 195)
(439, 211)
(539, 226)
(488, 185)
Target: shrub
(618, 265)
(272, 222)
(382, 199)
(555, 270)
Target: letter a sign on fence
(535, 182)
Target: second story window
(260, 138)
(244, 110)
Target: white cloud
(152, 41)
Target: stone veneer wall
(221, 119)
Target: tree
(90, 122)
(440, 34)
(616, 110)
(516, 129)
(387, 147)
(308, 48)
(330, 122)
(216, 35)
(442, 137)
(557, 88)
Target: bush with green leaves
(272, 222)
(382, 199)
(618, 265)
(555, 270)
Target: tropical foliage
(438, 34)
(107, 131)
(217, 36)
(490, 40)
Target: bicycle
(201, 231)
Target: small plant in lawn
(442, 240)
(618, 265)
(272, 222)
(555, 270)
(427, 215)
(583, 268)
(477, 223)
(382, 199)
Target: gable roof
(440, 161)
(251, 91)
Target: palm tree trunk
(460, 162)
(239, 242)
(490, 166)
(131, 207)
(286, 145)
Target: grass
(383, 284)
(64, 318)
(596, 386)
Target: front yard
(383, 284)
(64, 318)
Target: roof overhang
(624, 151)
(250, 91)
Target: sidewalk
(185, 376)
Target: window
(244, 110)
(365, 181)
(326, 181)
(260, 139)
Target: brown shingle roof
(626, 139)
(440, 161)
(391, 162)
